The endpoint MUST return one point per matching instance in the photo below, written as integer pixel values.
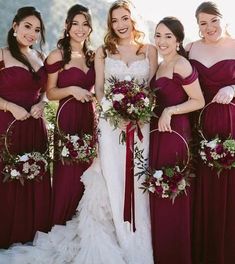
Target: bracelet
(5, 107)
(177, 109)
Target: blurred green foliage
(54, 13)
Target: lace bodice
(138, 69)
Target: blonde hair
(111, 39)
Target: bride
(99, 233)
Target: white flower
(64, 152)
(131, 109)
(74, 138)
(212, 144)
(25, 157)
(106, 105)
(146, 101)
(15, 173)
(127, 78)
(151, 189)
(158, 174)
(118, 97)
(182, 185)
(26, 167)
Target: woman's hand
(18, 112)
(164, 122)
(37, 110)
(81, 94)
(224, 95)
(123, 124)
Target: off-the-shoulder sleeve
(52, 68)
(191, 78)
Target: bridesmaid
(70, 80)
(23, 209)
(214, 212)
(178, 94)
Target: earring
(36, 41)
(15, 34)
(66, 33)
(200, 34)
(177, 47)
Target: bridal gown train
(98, 233)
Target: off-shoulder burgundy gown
(75, 118)
(214, 207)
(170, 222)
(23, 209)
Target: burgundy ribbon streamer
(129, 202)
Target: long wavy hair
(13, 44)
(177, 28)
(111, 39)
(64, 43)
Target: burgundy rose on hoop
(168, 181)
(22, 167)
(73, 148)
(216, 153)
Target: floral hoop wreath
(216, 153)
(28, 166)
(72, 148)
(167, 182)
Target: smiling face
(121, 23)
(80, 29)
(210, 27)
(165, 40)
(28, 30)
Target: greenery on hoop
(168, 181)
(74, 148)
(216, 153)
(26, 166)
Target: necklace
(76, 54)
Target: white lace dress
(98, 234)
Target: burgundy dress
(214, 208)
(23, 209)
(75, 118)
(170, 223)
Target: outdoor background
(54, 12)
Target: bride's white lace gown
(98, 234)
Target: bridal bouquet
(127, 100)
(72, 148)
(218, 154)
(28, 166)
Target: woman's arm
(193, 90)
(153, 60)
(99, 73)
(17, 111)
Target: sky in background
(184, 10)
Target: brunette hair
(13, 44)
(177, 28)
(64, 43)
